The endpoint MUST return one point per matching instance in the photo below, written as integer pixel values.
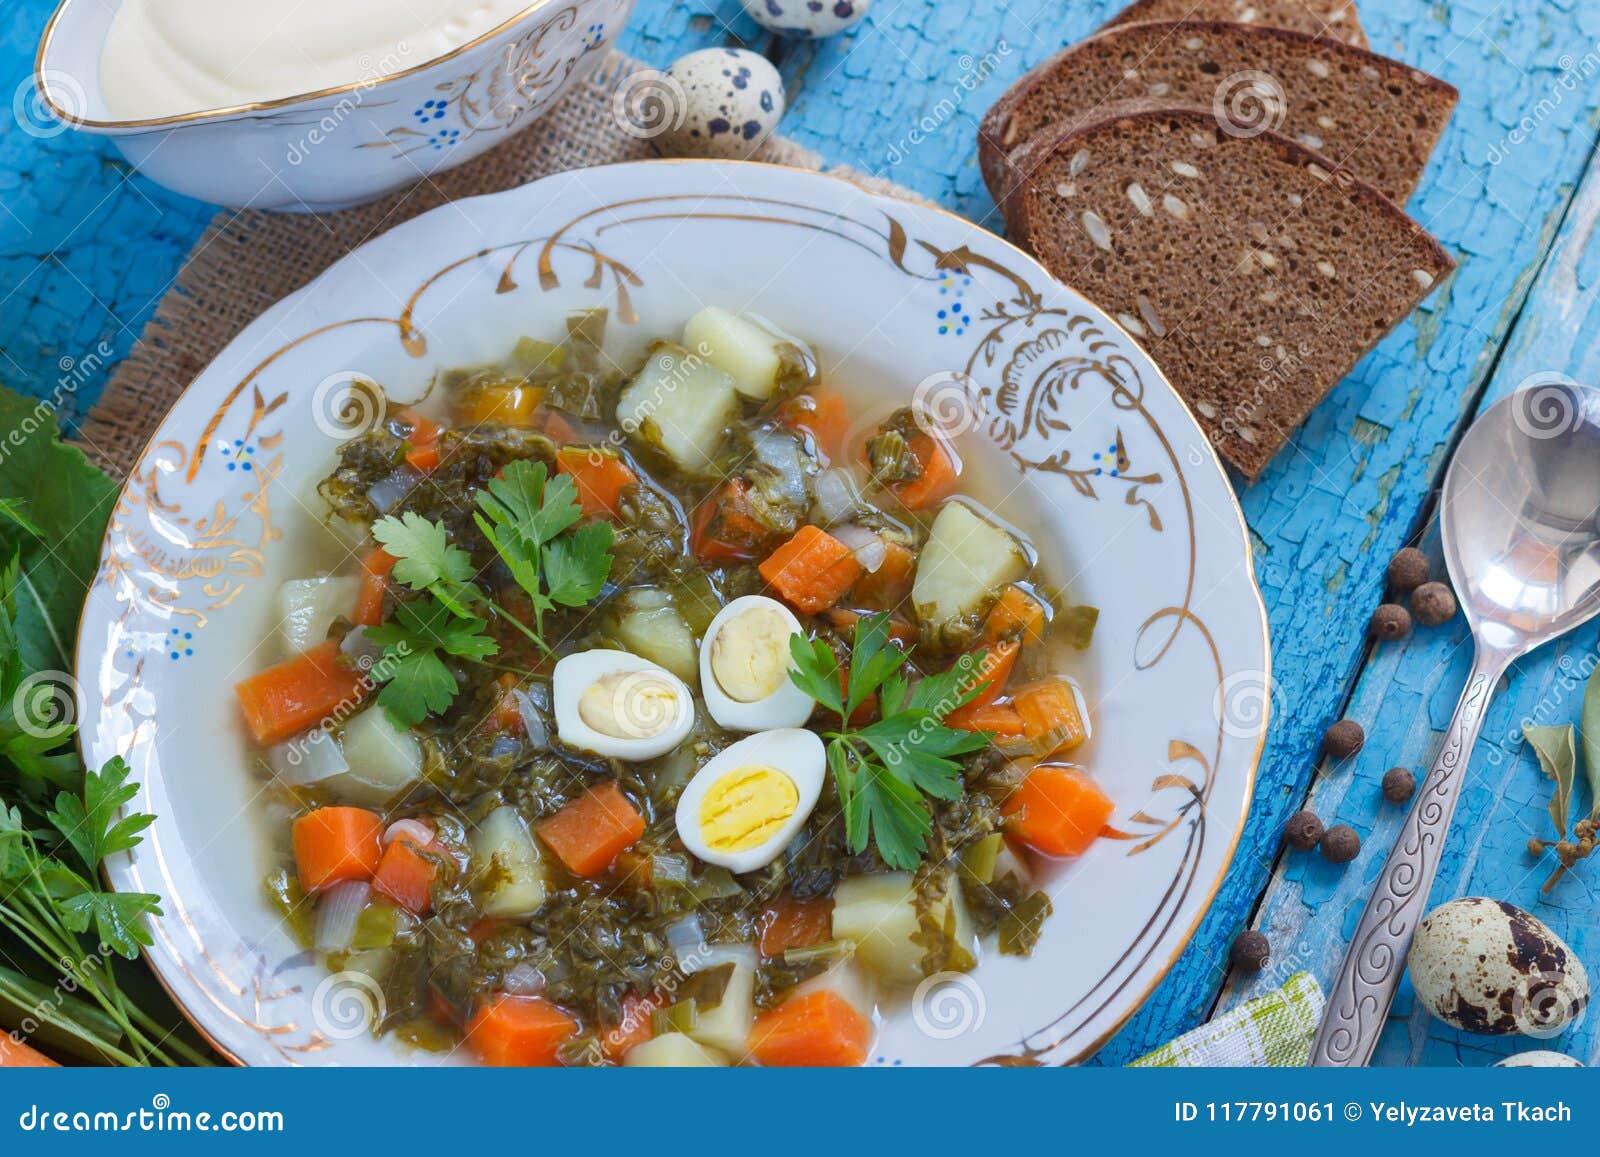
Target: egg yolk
(629, 704)
(750, 655)
(744, 808)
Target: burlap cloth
(245, 261)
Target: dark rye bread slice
(1335, 19)
(1254, 271)
(1374, 116)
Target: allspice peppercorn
(1343, 739)
(1340, 844)
(1399, 785)
(1251, 951)
(1408, 569)
(1302, 831)
(1433, 604)
(1390, 621)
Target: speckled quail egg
(732, 100)
(1539, 1059)
(618, 705)
(813, 18)
(744, 806)
(1485, 966)
(745, 663)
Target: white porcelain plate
(1117, 485)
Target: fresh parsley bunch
(887, 771)
(535, 524)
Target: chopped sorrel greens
(656, 724)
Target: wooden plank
(1405, 697)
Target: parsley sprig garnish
(535, 525)
(887, 771)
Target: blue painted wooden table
(87, 248)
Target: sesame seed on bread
(1255, 271)
(1376, 117)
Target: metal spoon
(1518, 520)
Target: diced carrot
(998, 660)
(519, 1031)
(553, 426)
(1057, 810)
(334, 844)
(502, 404)
(507, 713)
(600, 476)
(375, 568)
(789, 923)
(726, 529)
(299, 693)
(1050, 712)
(817, 1029)
(590, 832)
(16, 1055)
(888, 587)
(483, 928)
(405, 875)
(1017, 615)
(826, 417)
(941, 473)
(844, 620)
(1000, 718)
(635, 1028)
(812, 571)
(423, 453)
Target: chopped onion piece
(361, 651)
(686, 939)
(867, 545)
(838, 497)
(337, 912)
(307, 759)
(523, 979)
(419, 833)
(389, 492)
(532, 720)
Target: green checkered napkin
(1274, 1030)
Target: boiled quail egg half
(742, 809)
(620, 706)
(745, 663)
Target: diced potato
(679, 404)
(848, 980)
(673, 1050)
(307, 608)
(965, 564)
(725, 1024)
(384, 759)
(648, 624)
(507, 871)
(741, 348)
(879, 914)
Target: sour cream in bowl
(313, 106)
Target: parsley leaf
(415, 677)
(886, 771)
(428, 561)
(90, 825)
(115, 916)
(529, 519)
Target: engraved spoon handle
(1359, 1001)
